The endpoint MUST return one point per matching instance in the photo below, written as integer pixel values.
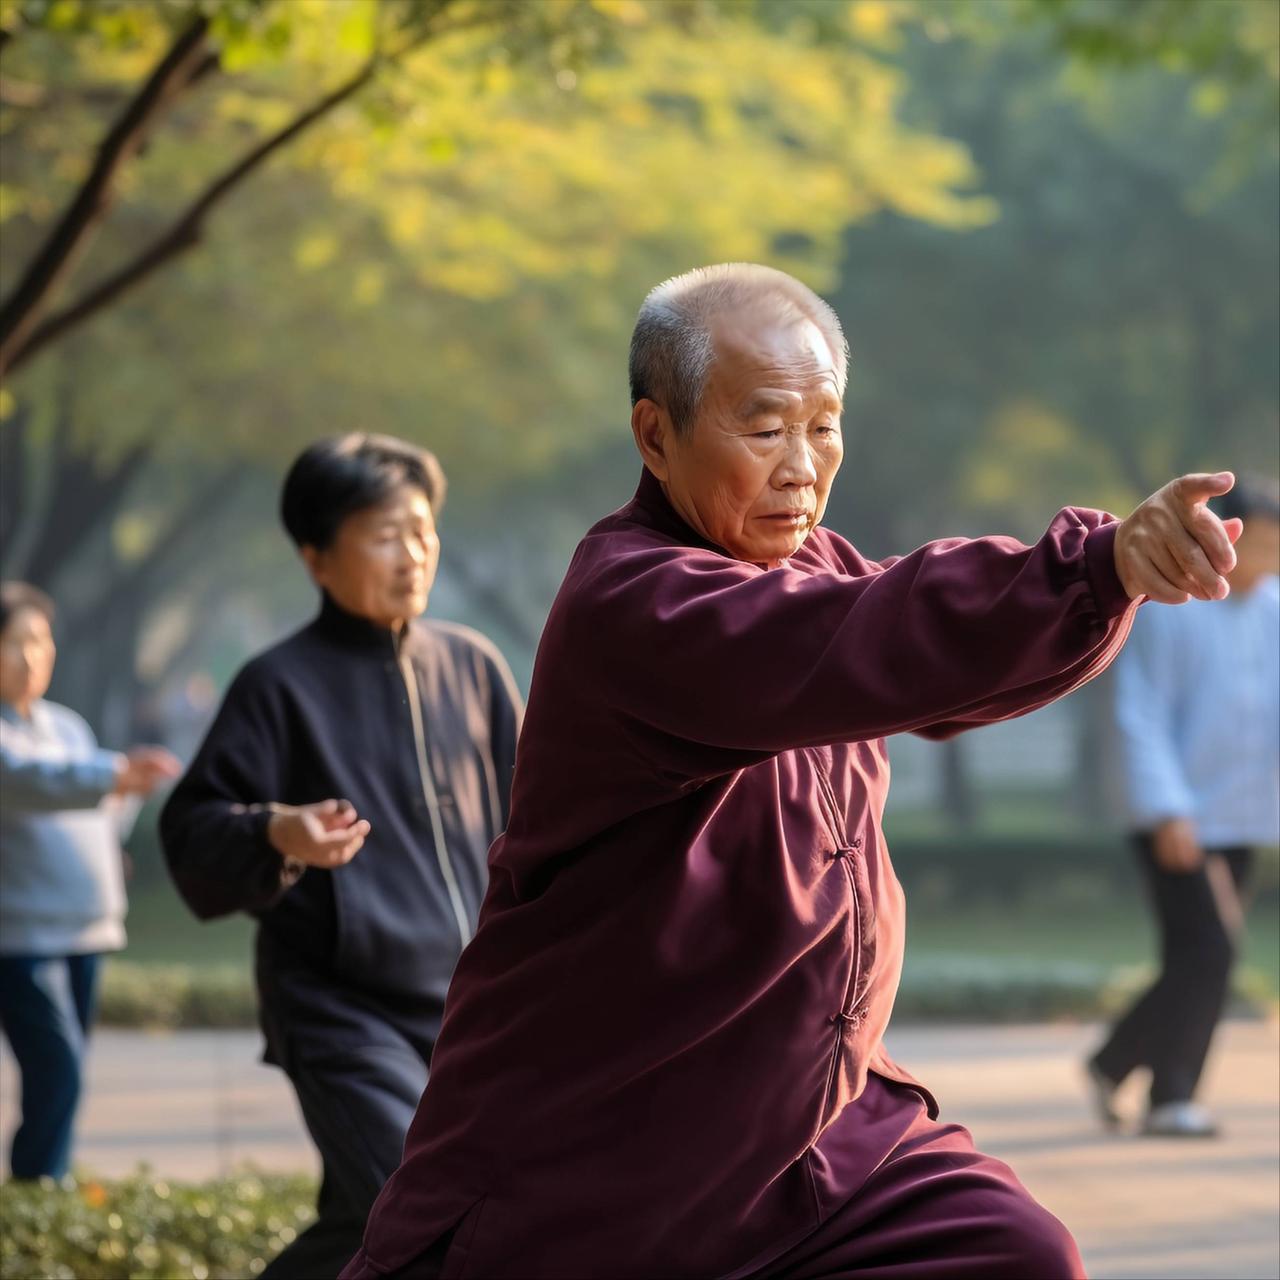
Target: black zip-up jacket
(327, 714)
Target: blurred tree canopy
(416, 215)
(231, 226)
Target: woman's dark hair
(334, 478)
(22, 595)
(1251, 495)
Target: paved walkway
(196, 1104)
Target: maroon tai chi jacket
(693, 935)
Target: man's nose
(796, 469)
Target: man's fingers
(1234, 528)
(342, 817)
(336, 837)
(1190, 493)
(1212, 536)
(347, 851)
(1157, 586)
(1197, 572)
(1200, 485)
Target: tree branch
(186, 231)
(21, 311)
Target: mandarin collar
(356, 632)
(652, 502)
(657, 511)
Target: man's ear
(651, 425)
(314, 560)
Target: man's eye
(767, 435)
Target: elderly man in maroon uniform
(661, 1054)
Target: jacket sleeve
(35, 784)
(79, 779)
(711, 662)
(214, 826)
(506, 713)
(1146, 692)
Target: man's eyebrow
(762, 402)
(759, 402)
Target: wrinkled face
(754, 474)
(382, 561)
(26, 657)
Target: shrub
(982, 989)
(150, 1229)
(164, 997)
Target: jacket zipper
(433, 803)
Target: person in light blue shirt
(1198, 712)
(62, 903)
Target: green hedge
(980, 989)
(957, 989)
(150, 1229)
(1020, 868)
(164, 997)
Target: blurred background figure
(62, 897)
(1198, 709)
(366, 727)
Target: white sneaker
(1179, 1120)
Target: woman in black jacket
(346, 796)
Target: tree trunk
(13, 477)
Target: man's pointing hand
(1173, 547)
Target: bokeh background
(232, 226)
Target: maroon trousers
(934, 1208)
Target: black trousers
(1170, 1026)
(357, 1101)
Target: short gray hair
(671, 347)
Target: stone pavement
(197, 1103)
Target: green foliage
(1238, 40)
(147, 1228)
(964, 988)
(520, 143)
(164, 997)
(455, 255)
(1109, 331)
(1017, 867)
(966, 984)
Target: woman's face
(382, 561)
(26, 657)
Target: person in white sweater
(62, 900)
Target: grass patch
(163, 931)
(149, 1228)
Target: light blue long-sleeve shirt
(1198, 708)
(61, 881)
